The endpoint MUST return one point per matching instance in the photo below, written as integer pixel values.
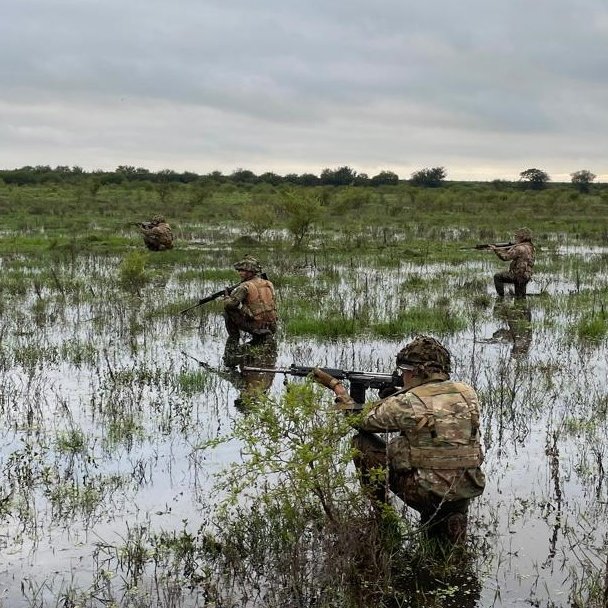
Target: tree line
(433, 177)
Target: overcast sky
(483, 88)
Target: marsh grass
(132, 272)
(592, 326)
(103, 423)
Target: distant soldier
(434, 463)
(249, 307)
(157, 234)
(521, 255)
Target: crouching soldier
(434, 463)
(157, 234)
(250, 307)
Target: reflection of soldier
(521, 256)
(157, 234)
(250, 307)
(453, 579)
(518, 318)
(254, 384)
(434, 463)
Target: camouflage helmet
(523, 234)
(250, 264)
(425, 354)
(158, 219)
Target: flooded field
(109, 458)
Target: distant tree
(216, 176)
(582, 180)
(302, 211)
(384, 178)
(271, 178)
(94, 184)
(362, 179)
(167, 175)
(165, 184)
(308, 179)
(291, 178)
(259, 218)
(126, 170)
(344, 176)
(188, 177)
(429, 178)
(243, 176)
(534, 179)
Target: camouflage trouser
(520, 283)
(237, 322)
(441, 519)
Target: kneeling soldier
(434, 463)
(249, 307)
(157, 234)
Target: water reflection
(433, 579)
(259, 352)
(516, 318)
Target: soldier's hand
(323, 378)
(345, 403)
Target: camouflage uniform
(253, 385)
(522, 260)
(433, 465)
(157, 234)
(250, 307)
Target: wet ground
(103, 415)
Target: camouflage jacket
(522, 259)
(255, 300)
(158, 237)
(439, 438)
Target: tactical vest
(260, 300)
(446, 435)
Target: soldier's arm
(508, 254)
(236, 298)
(391, 414)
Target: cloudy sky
(485, 88)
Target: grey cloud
(416, 80)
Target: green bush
(132, 272)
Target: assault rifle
(359, 382)
(216, 295)
(484, 246)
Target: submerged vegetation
(129, 477)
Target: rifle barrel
(354, 377)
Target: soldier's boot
(456, 528)
(500, 287)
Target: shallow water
(109, 369)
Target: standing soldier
(249, 307)
(521, 255)
(157, 234)
(434, 463)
